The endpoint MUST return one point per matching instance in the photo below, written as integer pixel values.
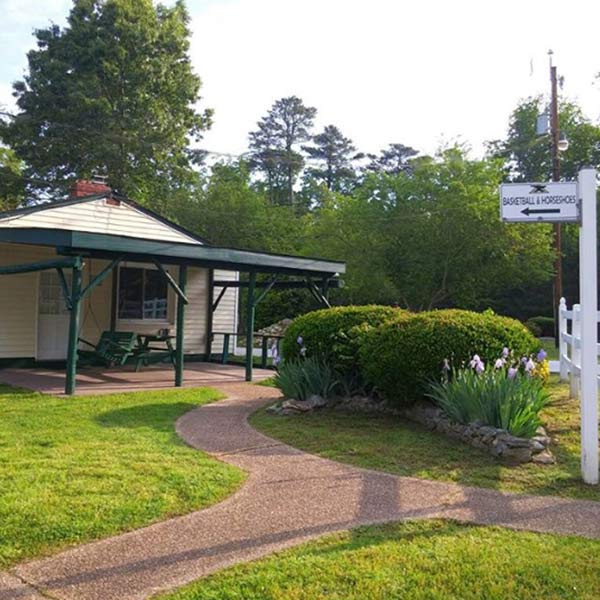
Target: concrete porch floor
(100, 380)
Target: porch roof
(69, 242)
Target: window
(142, 294)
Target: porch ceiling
(110, 246)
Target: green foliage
(274, 146)
(545, 325)
(534, 328)
(334, 334)
(335, 153)
(428, 559)
(395, 159)
(113, 92)
(493, 399)
(304, 377)
(430, 237)
(526, 154)
(12, 185)
(401, 356)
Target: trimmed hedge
(545, 325)
(400, 357)
(334, 334)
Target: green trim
(108, 246)
(279, 285)
(250, 326)
(210, 275)
(171, 282)
(100, 277)
(180, 328)
(41, 266)
(71, 376)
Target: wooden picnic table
(147, 351)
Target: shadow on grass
(391, 444)
(159, 417)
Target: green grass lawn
(417, 560)
(387, 443)
(81, 468)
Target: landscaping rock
(544, 458)
(276, 328)
(498, 442)
(518, 454)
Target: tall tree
(396, 158)
(527, 155)
(112, 92)
(333, 153)
(12, 186)
(276, 143)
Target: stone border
(498, 442)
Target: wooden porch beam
(180, 327)
(74, 262)
(278, 285)
(100, 277)
(71, 375)
(177, 289)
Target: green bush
(302, 378)
(545, 325)
(493, 399)
(334, 334)
(401, 357)
(533, 328)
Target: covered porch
(118, 269)
(93, 381)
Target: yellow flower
(542, 370)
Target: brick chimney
(86, 187)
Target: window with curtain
(142, 294)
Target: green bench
(114, 348)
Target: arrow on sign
(540, 211)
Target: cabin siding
(225, 318)
(19, 305)
(96, 216)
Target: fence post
(562, 344)
(575, 350)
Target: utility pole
(554, 137)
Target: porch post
(250, 326)
(73, 331)
(209, 313)
(180, 327)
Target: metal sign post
(568, 202)
(588, 298)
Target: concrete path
(290, 497)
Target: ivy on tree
(113, 92)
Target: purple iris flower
(541, 355)
(505, 352)
(512, 373)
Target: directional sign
(534, 202)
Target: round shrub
(334, 334)
(402, 356)
(545, 325)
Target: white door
(53, 318)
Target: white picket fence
(569, 328)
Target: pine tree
(275, 145)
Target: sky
(423, 73)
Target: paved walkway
(290, 497)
